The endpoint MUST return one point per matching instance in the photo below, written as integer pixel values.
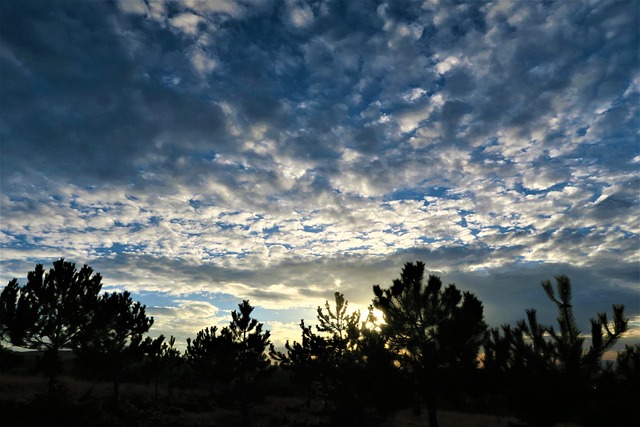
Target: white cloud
(157, 9)
(409, 121)
(187, 23)
(231, 7)
(184, 318)
(133, 6)
(300, 16)
(202, 63)
(415, 94)
(282, 332)
(447, 64)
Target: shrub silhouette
(250, 355)
(161, 358)
(628, 364)
(236, 356)
(624, 394)
(9, 321)
(317, 361)
(306, 359)
(349, 366)
(251, 343)
(209, 355)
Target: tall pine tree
(51, 311)
(435, 333)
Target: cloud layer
(279, 151)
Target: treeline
(432, 350)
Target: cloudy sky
(198, 153)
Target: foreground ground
(23, 402)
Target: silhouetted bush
(162, 359)
(10, 360)
(348, 367)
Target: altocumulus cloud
(202, 152)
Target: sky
(198, 153)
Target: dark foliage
(112, 342)
(10, 329)
(541, 367)
(209, 355)
(161, 358)
(250, 342)
(435, 334)
(348, 366)
(360, 371)
(235, 358)
(51, 312)
(622, 393)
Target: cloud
(187, 23)
(300, 16)
(138, 7)
(184, 318)
(272, 151)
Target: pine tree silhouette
(51, 311)
(349, 363)
(236, 356)
(112, 343)
(542, 366)
(161, 358)
(212, 356)
(433, 332)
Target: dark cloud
(78, 107)
(508, 291)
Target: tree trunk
(51, 365)
(52, 384)
(170, 388)
(246, 419)
(433, 412)
(157, 379)
(116, 392)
